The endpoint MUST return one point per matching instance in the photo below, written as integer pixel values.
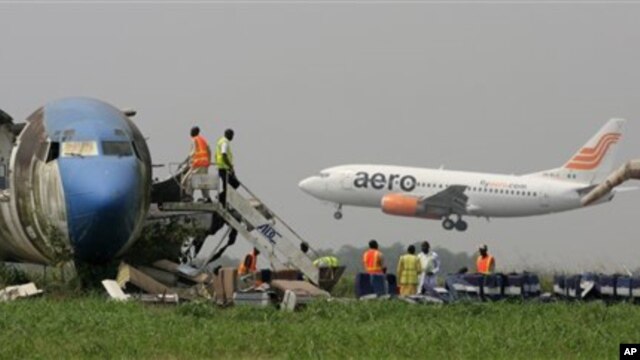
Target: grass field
(93, 327)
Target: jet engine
(404, 205)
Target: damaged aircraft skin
(75, 183)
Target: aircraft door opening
(545, 201)
(347, 180)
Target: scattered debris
(184, 271)
(289, 301)
(165, 277)
(127, 273)
(301, 288)
(19, 291)
(115, 291)
(254, 298)
(295, 293)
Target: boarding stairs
(255, 222)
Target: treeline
(351, 257)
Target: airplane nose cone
(312, 186)
(104, 199)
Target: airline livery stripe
(588, 158)
(588, 151)
(590, 165)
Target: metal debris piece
(19, 291)
(162, 276)
(183, 271)
(300, 288)
(127, 273)
(115, 291)
(289, 301)
(160, 298)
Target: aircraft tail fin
(595, 160)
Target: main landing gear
(459, 225)
(338, 214)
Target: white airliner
(443, 194)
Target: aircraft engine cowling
(405, 205)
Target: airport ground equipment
(259, 225)
(493, 286)
(630, 170)
(614, 287)
(375, 285)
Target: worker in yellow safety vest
(408, 270)
(485, 264)
(199, 161)
(224, 162)
(373, 260)
(326, 261)
(250, 263)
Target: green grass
(92, 327)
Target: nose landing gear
(338, 214)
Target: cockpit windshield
(79, 148)
(116, 148)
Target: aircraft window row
(440, 186)
(487, 190)
(116, 148)
(505, 192)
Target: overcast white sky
(508, 88)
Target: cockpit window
(79, 148)
(117, 148)
(324, 174)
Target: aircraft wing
(451, 198)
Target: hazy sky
(508, 88)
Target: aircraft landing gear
(338, 214)
(448, 224)
(459, 225)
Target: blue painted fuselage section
(78, 184)
(106, 192)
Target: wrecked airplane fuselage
(75, 183)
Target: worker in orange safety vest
(485, 264)
(250, 263)
(199, 161)
(373, 260)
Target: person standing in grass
(407, 272)
(430, 266)
(485, 264)
(372, 259)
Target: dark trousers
(230, 178)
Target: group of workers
(200, 160)
(417, 274)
